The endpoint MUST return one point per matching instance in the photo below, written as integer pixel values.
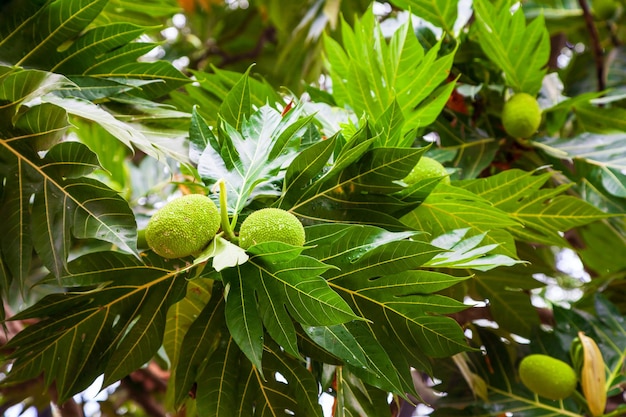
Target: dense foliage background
(404, 295)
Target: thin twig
(598, 54)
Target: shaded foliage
(321, 108)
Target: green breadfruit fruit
(521, 115)
(546, 376)
(271, 225)
(183, 226)
(427, 168)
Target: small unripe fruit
(271, 225)
(521, 115)
(427, 168)
(546, 376)
(183, 226)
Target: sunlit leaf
(543, 212)
(371, 80)
(201, 340)
(357, 187)
(521, 51)
(441, 13)
(376, 275)
(466, 253)
(251, 162)
(448, 208)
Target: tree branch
(596, 48)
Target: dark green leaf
(282, 284)
(84, 334)
(200, 341)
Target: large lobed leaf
(251, 159)
(276, 286)
(357, 185)
(232, 386)
(396, 84)
(82, 333)
(222, 89)
(56, 37)
(49, 201)
(544, 213)
(605, 154)
(441, 13)
(377, 274)
(449, 208)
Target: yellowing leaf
(593, 376)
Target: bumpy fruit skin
(271, 225)
(521, 115)
(183, 226)
(427, 168)
(546, 376)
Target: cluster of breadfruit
(186, 225)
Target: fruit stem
(225, 221)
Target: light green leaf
(466, 253)
(182, 314)
(224, 254)
(441, 13)
(251, 161)
(521, 51)
(370, 79)
(449, 208)
(236, 106)
(124, 132)
(544, 213)
(389, 126)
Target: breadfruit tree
(346, 208)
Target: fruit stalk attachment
(227, 228)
